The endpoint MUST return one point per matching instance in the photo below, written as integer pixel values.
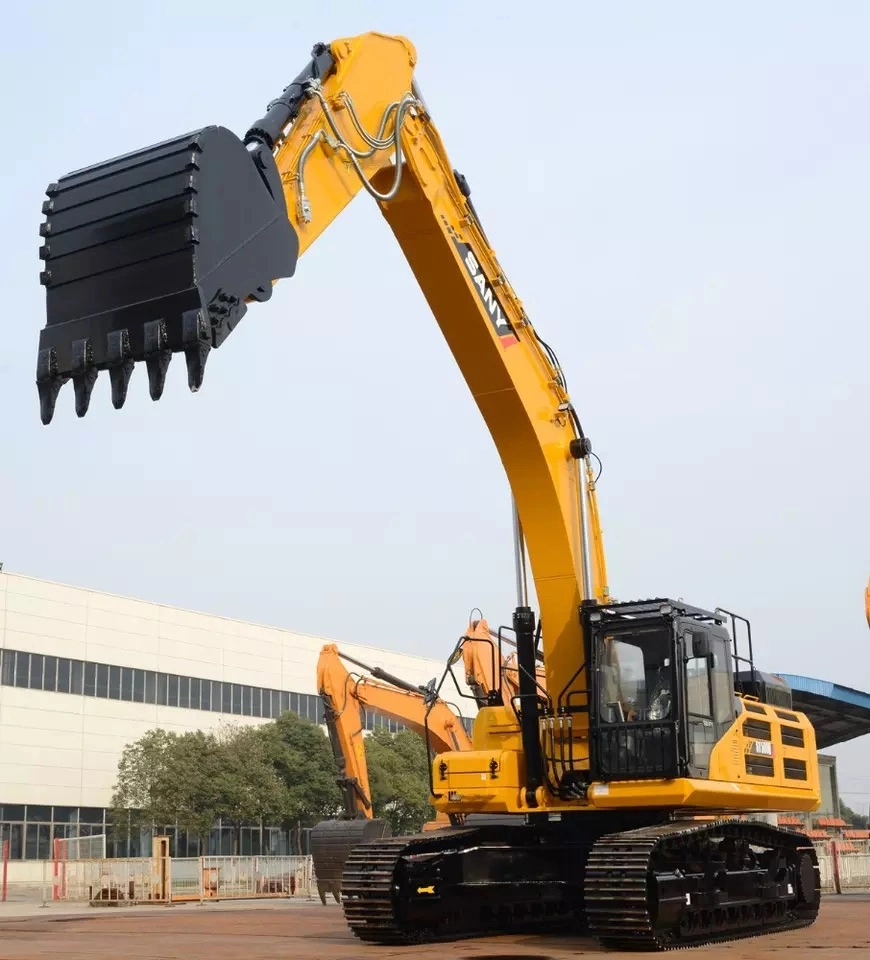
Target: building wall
(830, 805)
(62, 749)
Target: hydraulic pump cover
(157, 252)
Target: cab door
(708, 691)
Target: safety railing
(142, 880)
(234, 878)
(842, 872)
(177, 879)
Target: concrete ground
(301, 929)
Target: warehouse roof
(838, 713)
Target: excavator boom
(644, 715)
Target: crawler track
(691, 883)
(367, 887)
(676, 884)
(462, 882)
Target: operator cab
(662, 689)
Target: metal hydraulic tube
(520, 558)
(580, 450)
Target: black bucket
(153, 253)
(331, 844)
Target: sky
(678, 193)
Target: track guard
(153, 253)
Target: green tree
(191, 779)
(247, 786)
(299, 752)
(165, 778)
(143, 793)
(399, 778)
(858, 820)
(191, 765)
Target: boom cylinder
(524, 628)
(520, 558)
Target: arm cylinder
(284, 109)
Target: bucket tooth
(48, 383)
(48, 392)
(84, 375)
(195, 333)
(157, 252)
(121, 364)
(196, 357)
(119, 377)
(157, 365)
(157, 357)
(83, 385)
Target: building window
(63, 675)
(114, 683)
(7, 667)
(38, 671)
(49, 681)
(102, 680)
(184, 692)
(127, 683)
(36, 663)
(76, 673)
(22, 669)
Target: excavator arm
(344, 694)
(412, 706)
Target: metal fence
(843, 872)
(141, 880)
(179, 879)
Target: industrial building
(84, 673)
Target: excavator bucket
(153, 253)
(331, 844)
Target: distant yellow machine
(345, 695)
(625, 769)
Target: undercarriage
(654, 886)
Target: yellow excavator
(345, 696)
(490, 673)
(629, 775)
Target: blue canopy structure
(838, 713)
